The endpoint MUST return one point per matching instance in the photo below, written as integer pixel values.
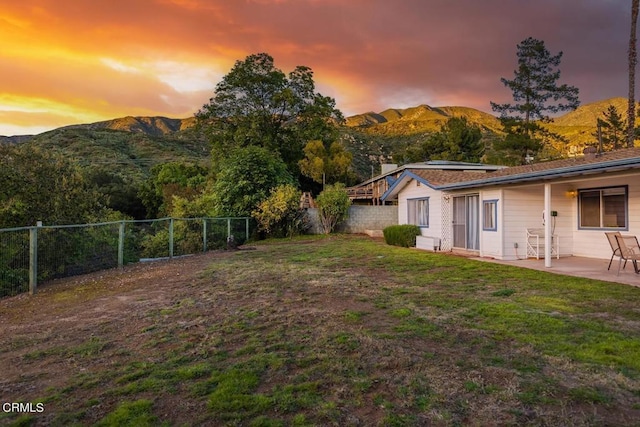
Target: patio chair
(611, 237)
(629, 251)
(535, 243)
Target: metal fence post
(121, 245)
(170, 237)
(228, 227)
(33, 260)
(246, 234)
(204, 234)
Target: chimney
(590, 153)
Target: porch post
(547, 225)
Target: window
(490, 215)
(603, 207)
(418, 210)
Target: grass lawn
(340, 330)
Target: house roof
(430, 178)
(454, 180)
(434, 165)
(605, 162)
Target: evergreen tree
(612, 129)
(537, 95)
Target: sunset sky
(80, 61)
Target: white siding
(593, 243)
(520, 207)
(491, 241)
(414, 191)
(523, 208)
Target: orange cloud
(104, 59)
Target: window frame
(413, 204)
(493, 215)
(601, 226)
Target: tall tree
(633, 59)
(256, 104)
(537, 96)
(612, 129)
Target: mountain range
(139, 142)
(390, 122)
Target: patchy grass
(339, 330)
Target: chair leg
(620, 263)
(610, 261)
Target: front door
(466, 222)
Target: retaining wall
(361, 218)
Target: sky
(80, 61)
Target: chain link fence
(32, 255)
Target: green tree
(168, 180)
(120, 191)
(244, 179)
(39, 185)
(333, 206)
(612, 129)
(256, 104)
(322, 164)
(457, 140)
(537, 96)
(280, 214)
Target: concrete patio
(589, 268)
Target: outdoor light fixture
(572, 194)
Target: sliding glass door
(466, 222)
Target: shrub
(280, 214)
(401, 235)
(333, 206)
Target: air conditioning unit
(428, 243)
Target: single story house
(556, 208)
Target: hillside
(579, 126)
(420, 119)
(131, 153)
(136, 143)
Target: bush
(280, 214)
(333, 206)
(401, 235)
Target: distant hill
(136, 143)
(420, 119)
(129, 153)
(579, 126)
(155, 126)
(15, 139)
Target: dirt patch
(302, 332)
(45, 337)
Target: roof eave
(566, 172)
